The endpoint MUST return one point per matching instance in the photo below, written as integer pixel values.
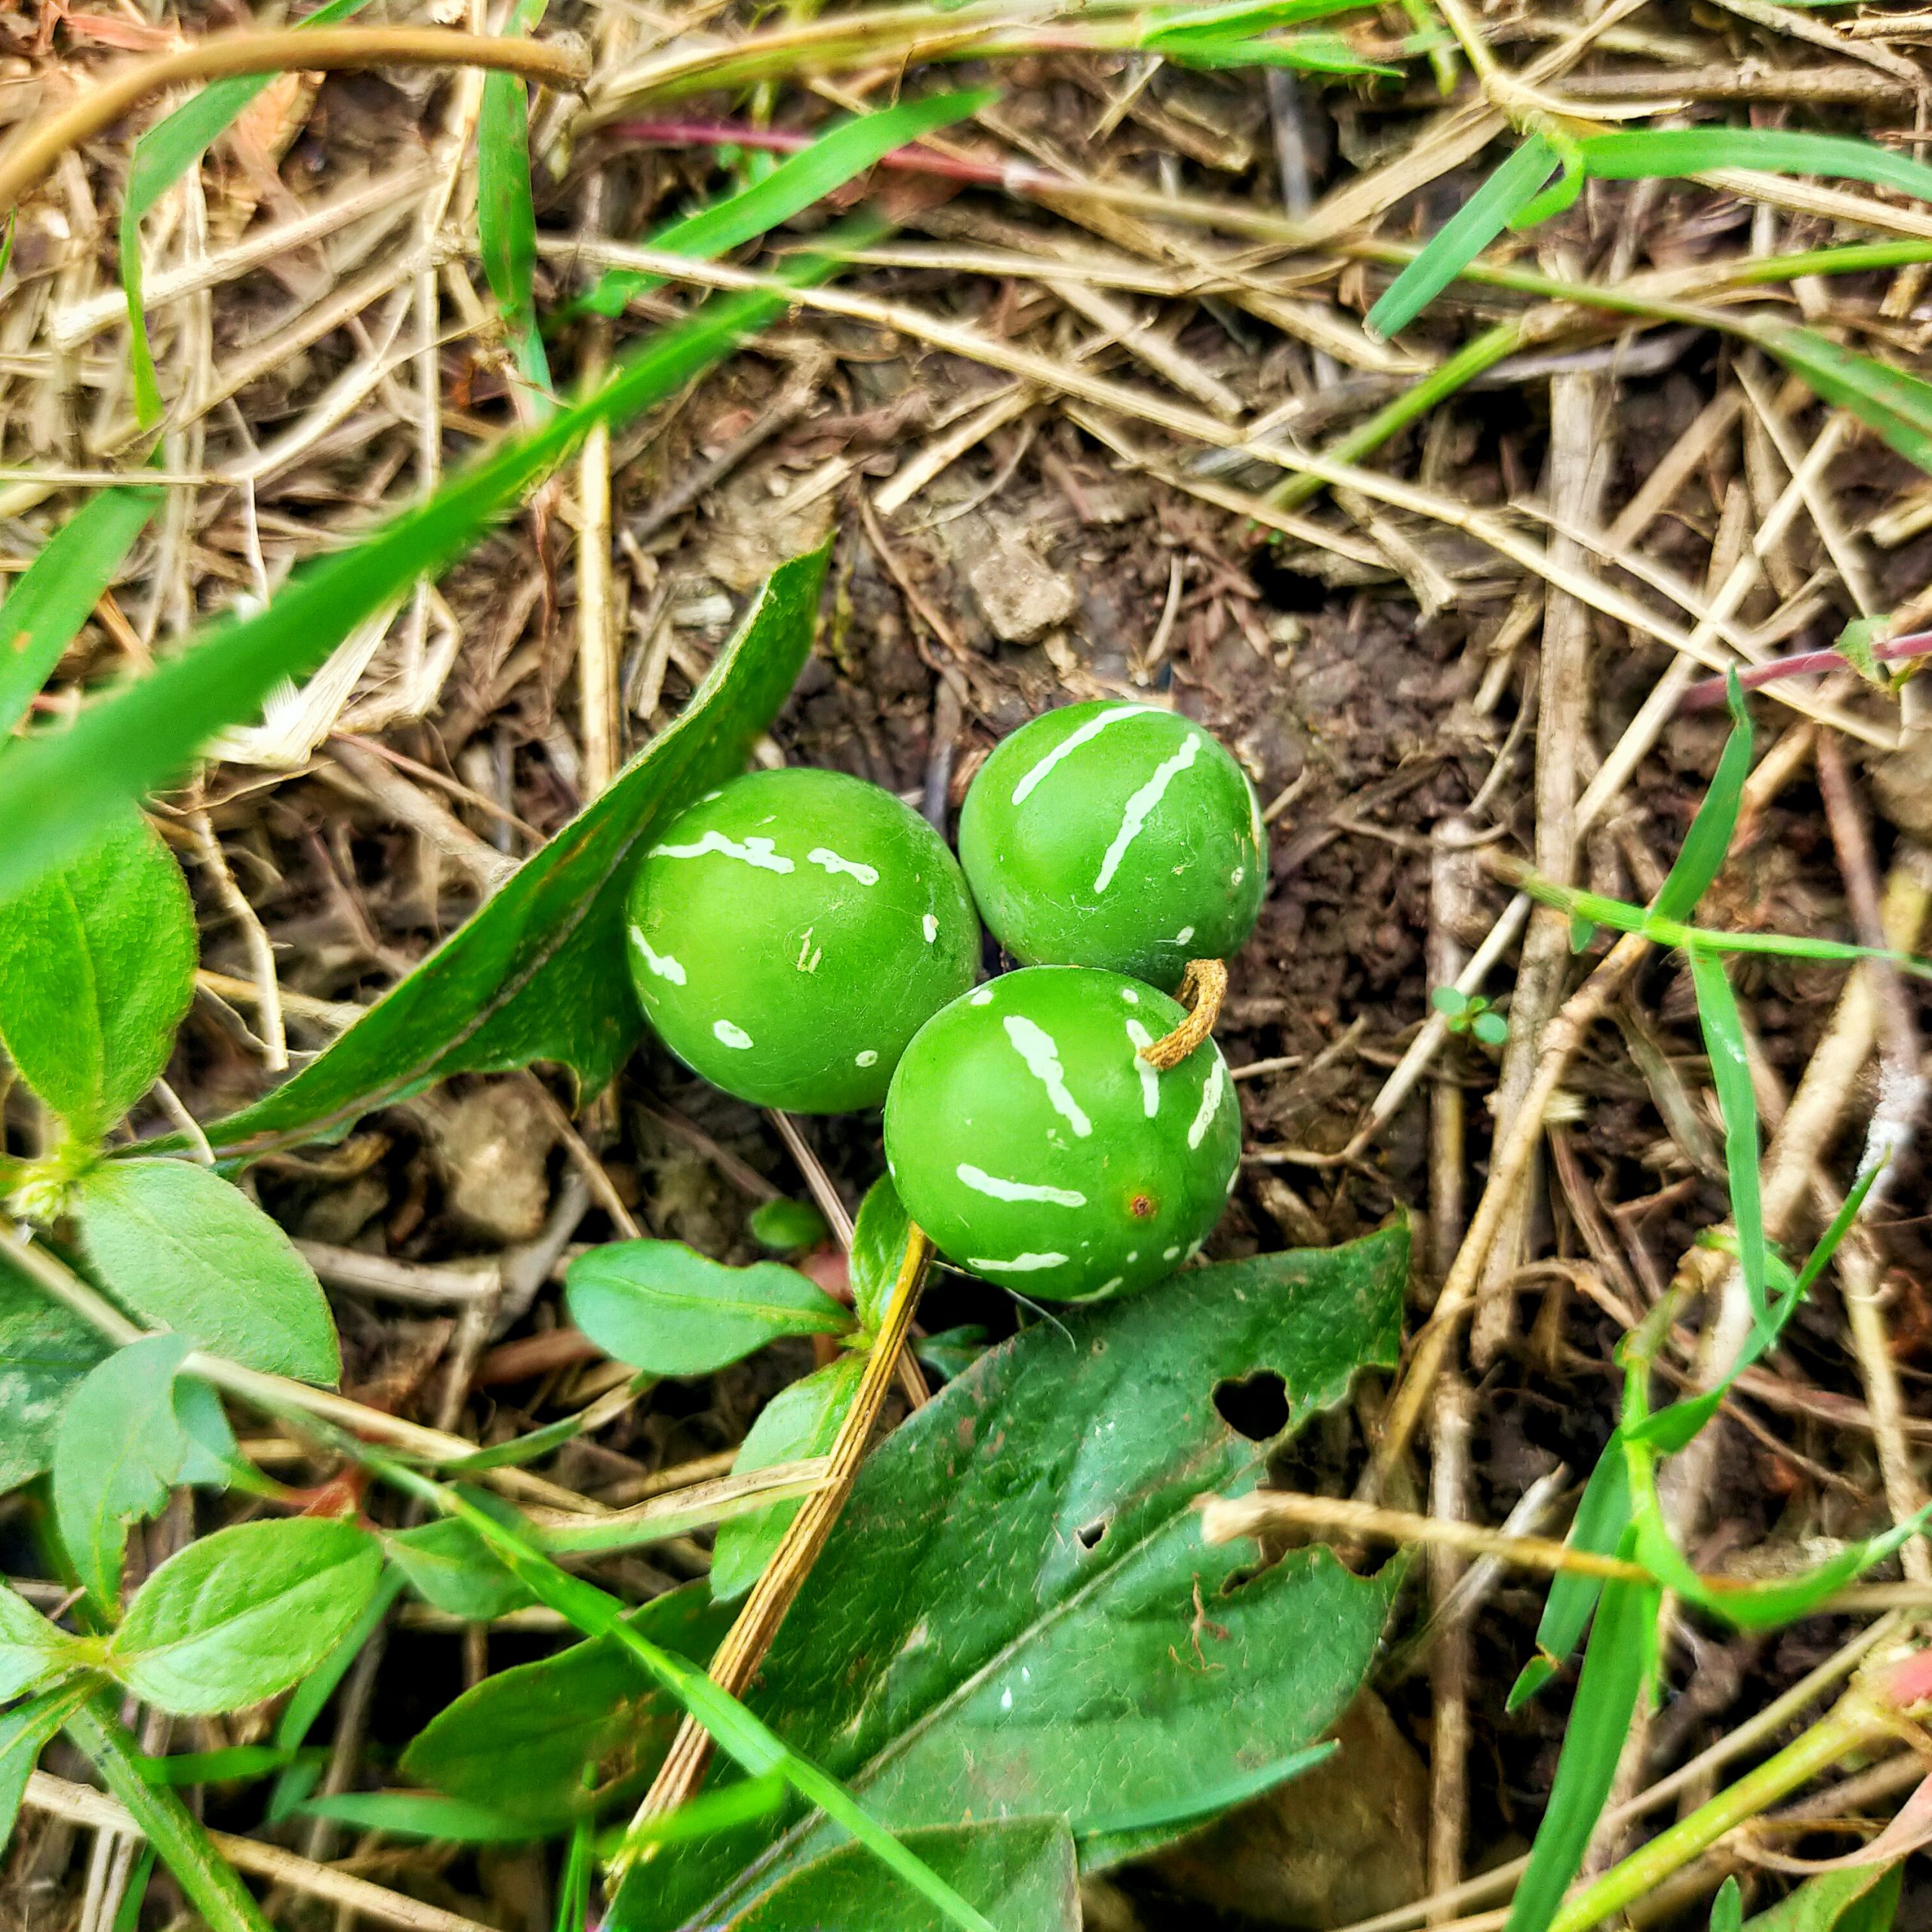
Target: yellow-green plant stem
(1855, 1721)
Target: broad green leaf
(32, 1650)
(808, 175)
(1894, 403)
(660, 1306)
(1618, 1667)
(418, 1814)
(60, 790)
(1863, 1899)
(45, 1354)
(1019, 1871)
(1059, 1476)
(25, 1732)
(1647, 153)
(120, 1448)
(1730, 1074)
(799, 1421)
(244, 1613)
(187, 1250)
(1708, 839)
(1603, 1515)
(54, 597)
(577, 1734)
(449, 1567)
(505, 218)
(539, 973)
(161, 156)
(787, 1227)
(879, 1235)
(1464, 236)
(96, 968)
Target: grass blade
(1730, 1074)
(809, 176)
(45, 609)
(506, 217)
(1893, 403)
(161, 156)
(1602, 1516)
(1464, 236)
(1709, 838)
(1647, 153)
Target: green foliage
(416, 1814)
(25, 1732)
(1702, 856)
(448, 1565)
(1470, 1015)
(45, 1353)
(186, 1250)
(32, 1650)
(801, 1420)
(96, 968)
(242, 1614)
(1653, 153)
(1864, 1899)
(537, 974)
(660, 1306)
(505, 219)
(787, 1227)
(1066, 1680)
(879, 1235)
(1727, 1907)
(56, 594)
(1893, 403)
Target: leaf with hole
(46, 1352)
(243, 1613)
(1080, 1673)
(660, 1306)
(187, 1250)
(96, 968)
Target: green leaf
(577, 1734)
(1306, 53)
(57, 593)
(448, 1565)
(1705, 844)
(1863, 1899)
(1449, 1001)
(96, 968)
(505, 218)
(1603, 1515)
(244, 1613)
(32, 1650)
(234, 1763)
(879, 1236)
(1893, 403)
(701, 1816)
(1730, 1074)
(45, 1354)
(161, 156)
(1650, 153)
(417, 1814)
(1059, 1476)
(120, 1450)
(660, 1306)
(1490, 1027)
(539, 973)
(799, 1421)
(1618, 1668)
(1464, 236)
(1019, 1871)
(952, 1350)
(25, 1732)
(807, 177)
(787, 1227)
(59, 791)
(187, 1250)
(1727, 1907)
(1856, 644)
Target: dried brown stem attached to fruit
(1203, 987)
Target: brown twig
(1203, 987)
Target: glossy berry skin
(790, 933)
(1027, 1137)
(1114, 835)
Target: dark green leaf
(60, 791)
(56, 594)
(243, 1613)
(1464, 236)
(1730, 1074)
(187, 1250)
(785, 1227)
(539, 973)
(1708, 839)
(447, 1565)
(1019, 1871)
(1059, 1474)
(418, 1814)
(659, 1305)
(952, 1350)
(96, 968)
(879, 1236)
(25, 1732)
(521, 1742)
(45, 1353)
(32, 1650)
(799, 1421)
(1893, 403)
(1648, 153)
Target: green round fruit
(792, 931)
(1119, 835)
(1030, 1141)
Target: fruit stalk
(1203, 987)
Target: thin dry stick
(261, 954)
(80, 1804)
(743, 1649)
(1449, 1666)
(1203, 987)
(596, 655)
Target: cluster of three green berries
(804, 940)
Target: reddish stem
(1711, 691)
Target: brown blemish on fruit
(1140, 1207)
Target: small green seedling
(1470, 1015)
(792, 931)
(1030, 1139)
(1122, 836)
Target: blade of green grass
(1464, 236)
(1650, 153)
(1730, 1074)
(1602, 1517)
(1894, 403)
(59, 790)
(506, 216)
(1709, 838)
(57, 593)
(1307, 53)
(161, 156)
(809, 176)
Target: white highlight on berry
(929, 927)
(1182, 938)
(1141, 805)
(983, 1182)
(1132, 998)
(1211, 1091)
(662, 964)
(1020, 1264)
(1106, 1287)
(1038, 1049)
(984, 997)
(1150, 1080)
(823, 855)
(752, 852)
(730, 1035)
(1168, 1253)
(869, 1057)
(1071, 742)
